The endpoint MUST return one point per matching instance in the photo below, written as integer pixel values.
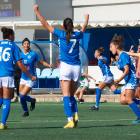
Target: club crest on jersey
(29, 56)
(25, 61)
(27, 67)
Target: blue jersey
(9, 53)
(104, 67)
(69, 51)
(113, 64)
(124, 59)
(29, 61)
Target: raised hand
(132, 46)
(86, 16)
(36, 8)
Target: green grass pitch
(111, 122)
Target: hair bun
(101, 49)
(119, 38)
(3, 29)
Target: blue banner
(6, 14)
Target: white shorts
(84, 83)
(68, 72)
(7, 82)
(28, 83)
(129, 86)
(107, 79)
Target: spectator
(133, 58)
(114, 62)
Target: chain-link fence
(9, 8)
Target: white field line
(39, 121)
(78, 105)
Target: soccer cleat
(32, 107)
(136, 121)
(25, 114)
(75, 120)
(80, 101)
(94, 108)
(69, 125)
(2, 126)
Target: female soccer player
(108, 79)
(29, 59)
(137, 55)
(84, 85)
(9, 52)
(70, 70)
(129, 75)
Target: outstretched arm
(138, 69)
(45, 64)
(133, 54)
(86, 22)
(42, 20)
(88, 76)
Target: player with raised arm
(9, 52)
(129, 75)
(70, 67)
(107, 80)
(29, 59)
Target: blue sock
(73, 105)
(98, 96)
(5, 110)
(27, 98)
(23, 103)
(1, 101)
(135, 109)
(117, 91)
(67, 106)
(136, 101)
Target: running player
(29, 59)
(70, 70)
(108, 79)
(9, 52)
(84, 85)
(129, 75)
(137, 55)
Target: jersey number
(4, 54)
(74, 42)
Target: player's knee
(123, 101)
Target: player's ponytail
(68, 25)
(100, 50)
(119, 41)
(6, 32)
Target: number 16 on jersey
(3, 56)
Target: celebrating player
(70, 70)
(9, 52)
(108, 79)
(129, 75)
(29, 59)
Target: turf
(111, 122)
